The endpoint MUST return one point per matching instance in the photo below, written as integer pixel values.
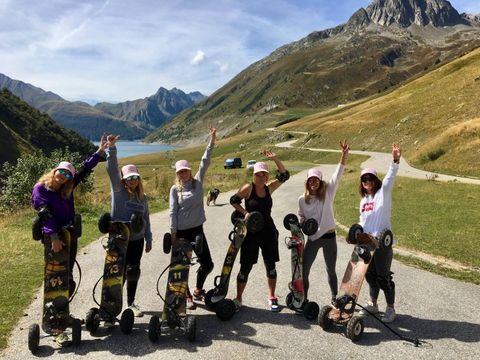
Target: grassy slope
(437, 113)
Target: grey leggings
(329, 244)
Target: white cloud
(198, 58)
(122, 50)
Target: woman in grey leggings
(317, 203)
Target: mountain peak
(407, 12)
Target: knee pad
(271, 271)
(272, 274)
(386, 283)
(133, 273)
(242, 276)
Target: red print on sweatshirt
(368, 206)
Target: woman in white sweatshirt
(375, 208)
(317, 203)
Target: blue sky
(117, 50)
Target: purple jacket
(62, 210)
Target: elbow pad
(44, 213)
(235, 199)
(282, 177)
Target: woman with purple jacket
(53, 197)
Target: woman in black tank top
(258, 197)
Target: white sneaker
(389, 315)
(136, 310)
(369, 309)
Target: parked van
(251, 164)
(232, 163)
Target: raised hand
(112, 139)
(212, 133)
(269, 154)
(396, 151)
(345, 147)
(103, 143)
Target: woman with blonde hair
(187, 213)
(52, 197)
(317, 203)
(129, 203)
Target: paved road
(380, 162)
(441, 311)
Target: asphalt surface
(441, 311)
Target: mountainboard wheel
(208, 300)
(154, 329)
(355, 229)
(385, 239)
(191, 328)
(255, 222)
(288, 219)
(289, 301)
(92, 320)
(126, 321)
(355, 328)
(310, 310)
(225, 309)
(236, 217)
(310, 227)
(167, 243)
(76, 332)
(323, 319)
(104, 222)
(33, 338)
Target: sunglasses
(367, 178)
(65, 173)
(133, 177)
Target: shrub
(434, 155)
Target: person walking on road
(129, 203)
(317, 203)
(258, 197)
(187, 213)
(375, 211)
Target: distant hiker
(129, 203)
(317, 203)
(52, 197)
(375, 209)
(257, 195)
(187, 213)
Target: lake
(128, 148)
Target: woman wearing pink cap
(129, 201)
(317, 203)
(258, 197)
(375, 209)
(187, 213)
(52, 197)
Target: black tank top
(262, 205)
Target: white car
(251, 163)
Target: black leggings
(205, 259)
(379, 275)
(132, 259)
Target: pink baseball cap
(182, 165)
(314, 173)
(260, 167)
(65, 165)
(368, 171)
(129, 170)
